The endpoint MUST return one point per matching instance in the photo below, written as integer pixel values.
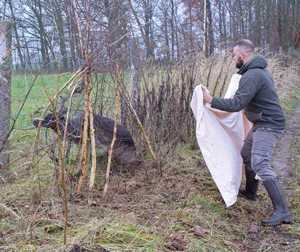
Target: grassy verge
(145, 212)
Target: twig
(129, 104)
(18, 114)
(110, 152)
(10, 211)
(3, 179)
(67, 84)
(63, 186)
(93, 147)
(33, 218)
(61, 162)
(219, 76)
(142, 129)
(84, 145)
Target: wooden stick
(68, 84)
(110, 152)
(84, 146)
(61, 163)
(142, 129)
(14, 120)
(93, 146)
(74, 77)
(146, 138)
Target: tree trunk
(27, 58)
(178, 54)
(190, 34)
(205, 26)
(37, 11)
(280, 23)
(208, 46)
(145, 30)
(18, 44)
(221, 18)
(71, 38)
(224, 27)
(210, 29)
(258, 23)
(5, 80)
(134, 76)
(61, 34)
(166, 35)
(241, 19)
(172, 30)
(148, 29)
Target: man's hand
(207, 98)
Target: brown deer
(124, 152)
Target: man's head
(242, 52)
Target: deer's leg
(128, 158)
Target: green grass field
(37, 100)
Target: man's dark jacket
(257, 95)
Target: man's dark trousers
(257, 152)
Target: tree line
(47, 33)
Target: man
(257, 96)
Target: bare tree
(208, 45)
(5, 81)
(45, 33)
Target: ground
(174, 208)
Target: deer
(124, 150)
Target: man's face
(237, 57)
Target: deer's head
(52, 120)
(49, 121)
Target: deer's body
(124, 151)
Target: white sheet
(220, 137)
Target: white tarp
(220, 136)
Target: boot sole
(285, 220)
(288, 220)
(242, 195)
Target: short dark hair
(245, 44)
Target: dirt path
(284, 237)
(284, 160)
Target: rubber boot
(281, 213)
(250, 191)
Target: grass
(290, 103)
(121, 236)
(46, 85)
(37, 99)
(206, 204)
